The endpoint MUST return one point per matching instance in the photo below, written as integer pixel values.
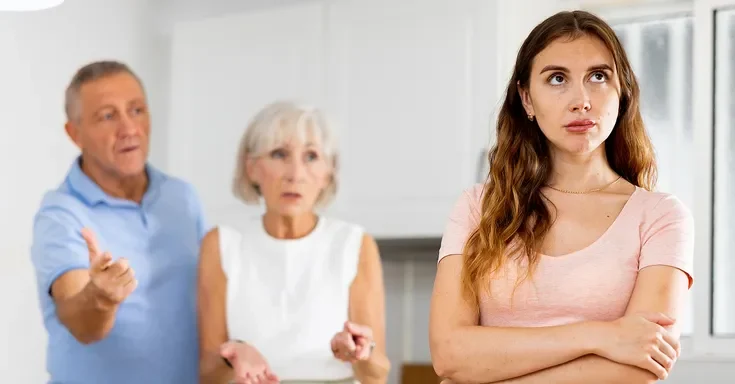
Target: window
(683, 53)
(723, 319)
(660, 52)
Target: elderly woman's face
(291, 176)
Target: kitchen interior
(412, 85)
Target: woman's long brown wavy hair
(515, 216)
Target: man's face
(111, 125)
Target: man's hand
(111, 282)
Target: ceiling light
(28, 5)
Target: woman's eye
(556, 79)
(311, 156)
(598, 77)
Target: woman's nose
(294, 170)
(580, 101)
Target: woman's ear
(251, 170)
(526, 100)
(331, 175)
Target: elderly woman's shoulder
(350, 232)
(339, 226)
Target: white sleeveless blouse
(289, 297)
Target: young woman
(292, 295)
(566, 266)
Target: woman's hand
(354, 343)
(249, 365)
(642, 341)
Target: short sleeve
(463, 219)
(197, 208)
(57, 246)
(668, 237)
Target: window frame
(702, 344)
(705, 342)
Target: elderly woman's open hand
(249, 365)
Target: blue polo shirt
(154, 339)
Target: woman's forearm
(374, 370)
(212, 369)
(585, 370)
(478, 354)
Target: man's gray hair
(87, 74)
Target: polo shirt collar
(92, 194)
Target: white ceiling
(186, 9)
(183, 10)
(617, 3)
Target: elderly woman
(290, 295)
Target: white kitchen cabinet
(412, 85)
(223, 70)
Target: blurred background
(413, 86)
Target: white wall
(41, 51)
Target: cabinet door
(411, 85)
(225, 69)
(414, 84)
(515, 20)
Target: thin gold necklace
(588, 191)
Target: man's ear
(526, 100)
(72, 130)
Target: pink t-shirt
(594, 283)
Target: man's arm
(658, 289)
(61, 260)
(198, 215)
(80, 309)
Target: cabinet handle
(482, 166)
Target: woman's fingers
(656, 368)
(668, 350)
(673, 342)
(343, 346)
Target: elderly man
(115, 246)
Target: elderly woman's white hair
(271, 127)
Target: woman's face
(574, 94)
(291, 177)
